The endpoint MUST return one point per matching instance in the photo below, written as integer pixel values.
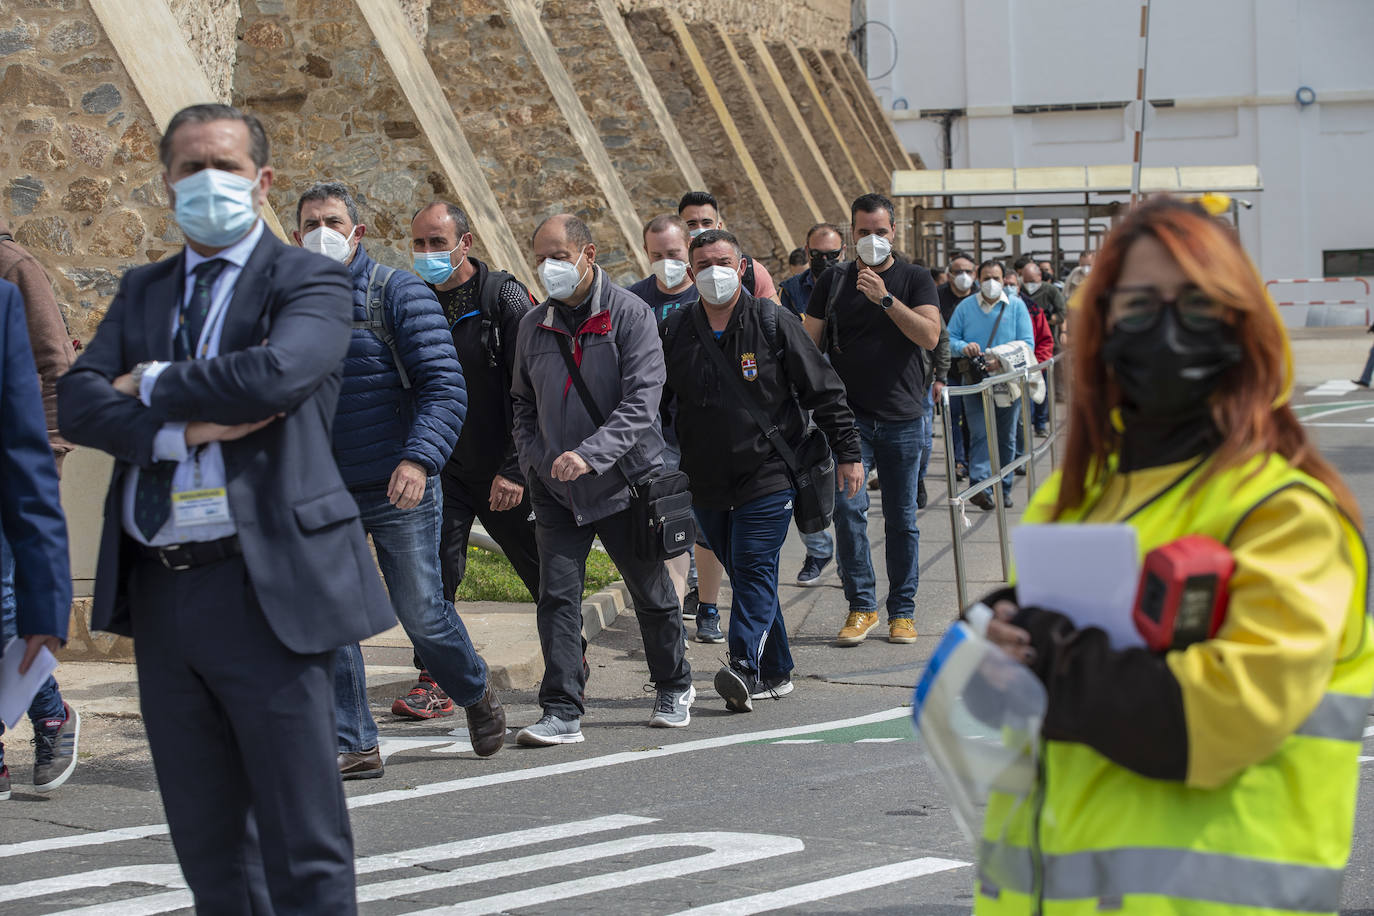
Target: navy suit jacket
(30, 503)
(302, 540)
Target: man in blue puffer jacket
(400, 411)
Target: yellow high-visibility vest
(1274, 839)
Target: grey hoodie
(621, 361)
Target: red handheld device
(1183, 595)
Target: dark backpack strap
(747, 281)
(830, 336)
(671, 329)
(6, 237)
(580, 383)
(376, 321)
(489, 304)
(742, 394)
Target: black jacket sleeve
(1126, 705)
(819, 389)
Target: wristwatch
(138, 372)
(886, 302)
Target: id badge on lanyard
(200, 505)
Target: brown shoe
(361, 764)
(856, 628)
(486, 724)
(901, 630)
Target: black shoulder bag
(970, 369)
(660, 505)
(811, 466)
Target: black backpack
(671, 328)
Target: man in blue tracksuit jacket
(392, 434)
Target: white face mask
(1087, 269)
(331, 244)
(992, 289)
(560, 278)
(697, 231)
(873, 249)
(718, 284)
(670, 272)
(1032, 285)
(963, 281)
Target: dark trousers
(563, 549)
(748, 540)
(242, 736)
(466, 499)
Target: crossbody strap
(748, 398)
(575, 373)
(995, 325)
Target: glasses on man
(1137, 308)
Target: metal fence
(958, 499)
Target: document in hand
(18, 690)
(1089, 573)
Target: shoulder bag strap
(743, 395)
(580, 383)
(995, 325)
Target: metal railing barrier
(958, 499)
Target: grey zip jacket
(618, 351)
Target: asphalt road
(816, 803)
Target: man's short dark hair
(872, 203)
(461, 226)
(824, 226)
(710, 237)
(574, 230)
(956, 254)
(667, 221)
(697, 199)
(1022, 261)
(992, 262)
(203, 114)
(328, 190)
(797, 258)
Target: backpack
(671, 329)
(489, 304)
(376, 320)
(830, 337)
(747, 281)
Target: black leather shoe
(982, 500)
(486, 725)
(361, 764)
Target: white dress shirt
(170, 441)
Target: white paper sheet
(17, 691)
(1089, 573)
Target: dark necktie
(153, 495)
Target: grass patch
(490, 577)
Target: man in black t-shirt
(482, 479)
(873, 328)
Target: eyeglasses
(1137, 308)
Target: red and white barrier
(1301, 292)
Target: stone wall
(804, 23)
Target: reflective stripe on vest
(1112, 874)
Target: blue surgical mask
(435, 267)
(215, 208)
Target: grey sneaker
(775, 687)
(708, 625)
(54, 750)
(4, 783)
(673, 708)
(736, 685)
(550, 730)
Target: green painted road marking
(899, 729)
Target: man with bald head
(578, 460)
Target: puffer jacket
(379, 423)
(620, 358)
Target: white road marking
(1334, 386)
(878, 740)
(822, 890)
(799, 741)
(1364, 425)
(1369, 730)
(180, 900)
(489, 779)
(724, 850)
(157, 875)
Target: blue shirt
(795, 291)
(663, 304)
(970, 324)
(203, 469)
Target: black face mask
(820, 260)
(1169, 370)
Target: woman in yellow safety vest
(1220, 778)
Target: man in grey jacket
(578, 471)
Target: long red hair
(1250, 406)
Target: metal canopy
(1077, 179)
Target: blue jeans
(819, 545)
(748, 540)
(407, 544)
(895, 449)
(980, 461)
(47, 703)
(1040, 413)
(958, 426)
(927, 434)
(1368, 372)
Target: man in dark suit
(232, 551)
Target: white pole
(1140, 99)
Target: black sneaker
(775, 687)
(54, 749)
(4, 783)
(813, 568)
(736, 685)
(921, 498)
(961, 471)
(1360, 382)
(983, 500)
(708, 625)
(690, 602)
